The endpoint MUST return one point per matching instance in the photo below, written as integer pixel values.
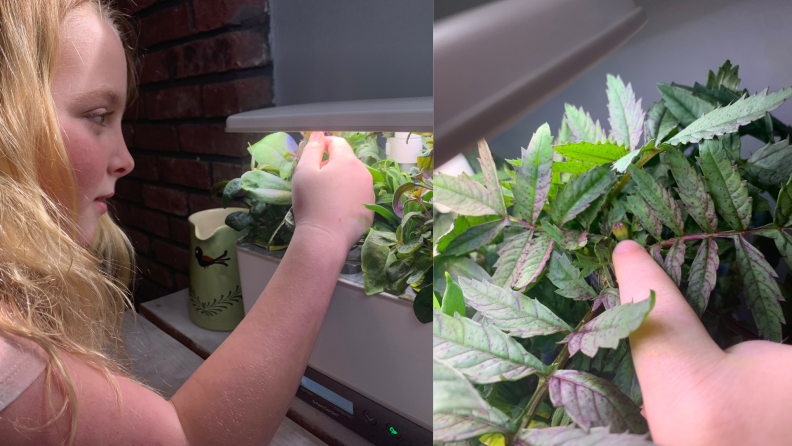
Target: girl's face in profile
(89, 92)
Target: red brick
(179, 230)
(146, 290)
(179, 102)
(145, 168)
(200, 203)
(212, 14)
(225, 171)
(134, 111)
(212, 139)
(168, 24)
(155, 68)
(182, 281)
(226, 52)
(128, 190)
(228, 98)
(156, 272)
(135, 217)
(165, 200)
(129, 135)
(170, 255)
(139, 240)
(189, 173)
(156, 137)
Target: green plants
(530, 342)
(395, 253)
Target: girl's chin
(101, 206)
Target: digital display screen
(341, 402)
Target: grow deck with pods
(371, 366)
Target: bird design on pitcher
(207, 261)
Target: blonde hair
(53, 291)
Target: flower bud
(621, 231)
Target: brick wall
(201, 61)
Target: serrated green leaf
(661, 203)
(572, 436)
(564, 133)
(702, 277)
(728, 119)
(648, 219)
(592, 402)
(582, 127)
(660, 121)
(451, 391)
(482, 353)
(691, 190)
(731, 144)
(605, 330)
(579, 193)
(567, 278)
(772, 164)
(782, 216)
(464, 195)
(511, 311)
(622, 163)
(463, 424)
(626, 116)
(587, 216)
(674, 260)
(490, 174)
(453, 299)
(761, 290)
(475, 237)
(726, 77)
(521, 260)
(587, 152)
(684, 105)
(533, 177)
(728, 190)
(568, 239)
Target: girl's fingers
(314, 151)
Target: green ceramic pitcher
(215, 290)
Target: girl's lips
(101, 205)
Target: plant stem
(701, 236)
(539, 395)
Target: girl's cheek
(88, 161)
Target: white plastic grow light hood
(372, 115)
(497, 62)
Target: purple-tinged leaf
(460, 224)
(684, 105)
(728, 119)
(782, 216)
(609, 297)
(567, 278)
(582, 127)
(463, 424)
(761, 290)
(656, 252)
(451, 391)
(658, 199)
(510, 311)
(592, 402)
(483, 354)
(605, 330)
(522, 260)
(572, 436)
(674, 260)
(783, 242)
(475, 237)
(398, 205)
(726, 77)
(568, 239)
(579, 194)
(728, 190)
(659, 122)
(702, 277)
(533, 176)
(649, 221)
(464, 195)
(772, 164)
(490, 174)
(626, 116)
(692, 191)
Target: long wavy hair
(60, 295)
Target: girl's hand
(695, 393)
(329, 195)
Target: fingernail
(627, 246)
(315, 136)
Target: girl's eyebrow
(112, 96)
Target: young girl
(65, 76)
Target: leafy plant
(527, 314)
(396, 251)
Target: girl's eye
(98, 118)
